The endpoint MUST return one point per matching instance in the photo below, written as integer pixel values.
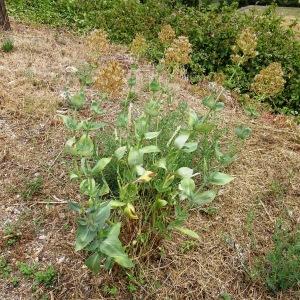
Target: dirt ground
(33, 79)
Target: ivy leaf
(219, 178)
(112, 247)
(85, 146)
(93, 263)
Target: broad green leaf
(116, 203)
(152, 135)
(190, 147)
(181, 140)
(77, 100)
(187, 186)
(140, 170)
(84, 236)
(74, 176)
(85, 146)
(120, 152)
(243, 132)
(209, 101)
(162, 163)
(154, 86)
(135, 157)
(204, 197)
(188, 232)
(70, 145)
(101, 164)
(88, 187)
(185, 172)
(112, 247)
(101, 215)
(74, 206)
(161, 203)
(95, 107)
(219, 178)
(150, 149)
(193, 118)
(218, 106)
(104, 190)
(89, 126)
(93, 262)
(69, 122)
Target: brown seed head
(270, 81)
(111, 79)
(139, 45)
(166, 34)
(98, 42)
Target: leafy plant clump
(7, 45)
(141, 177)
(280, 268)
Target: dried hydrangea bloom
(246, 43)
(179, 52)
(167, 34)
(111, 79)
(98, 41)
(139, 45)
(269, 81)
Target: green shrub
(212, 32)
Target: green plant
(26, 269)
(280, 268)
(7, 45)
(5, 269)
(110, 290)
(148, 176)
(11, 234)
(46, 277)
(32, 188)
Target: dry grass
(32, 79)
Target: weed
(46, 277)
(110, 290)
(187, 246)
(14, 281)
(26, 269)
(280, 268)
(32, 188)
(11, 233)
(5, 269)
(150, 174)
(7, 46)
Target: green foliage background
(211, 30)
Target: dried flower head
(269, 81)
(179, 52)
(139, 45)
(246, 43)
(111, 79)
(166, 34)
(98, 42)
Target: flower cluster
(111, 79)
(166, 35)
(270, 81)
(98, 41)
(246, 43)
(139, 45)
(178, 53)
